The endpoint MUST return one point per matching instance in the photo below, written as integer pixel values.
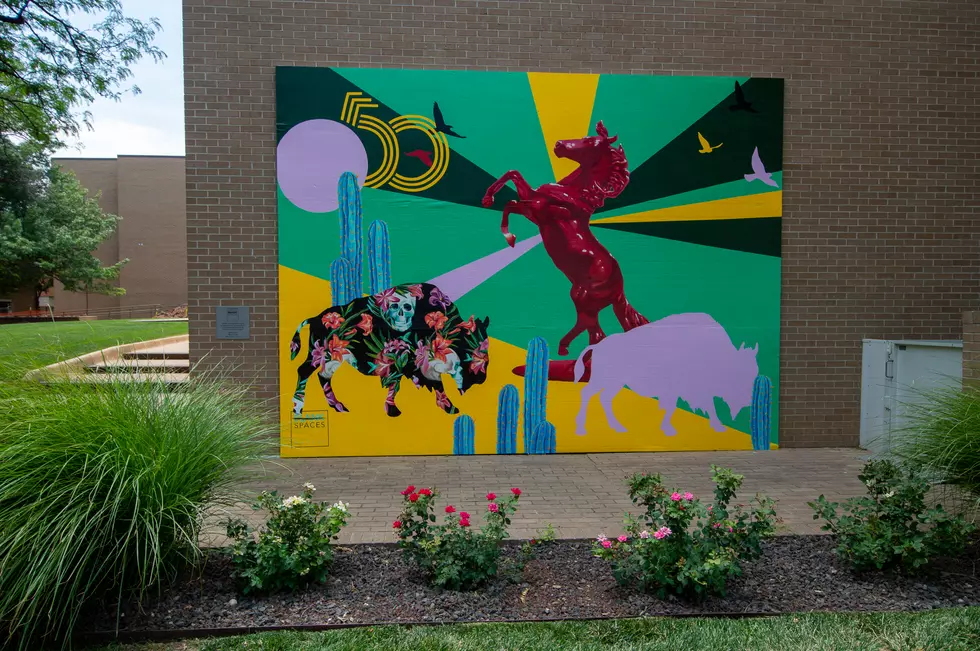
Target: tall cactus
(342, 282)
(761, 421)
(379, 256)
(543, 439)
(535, 387)
(464, 434)
(349, 196)
(508, 405)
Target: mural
(518, 244)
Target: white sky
(151, 123)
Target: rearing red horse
(561, 211)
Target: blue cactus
(379, 256)
(507, 407)
(761, 412)
(535, 387)
(543, 439)
(349, 198)
(341, 282)
(464, 433)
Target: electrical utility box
(896, 373)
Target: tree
(53, 234)
(49, 67)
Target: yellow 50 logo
(387, 133)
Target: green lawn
(946, 630)
(24, 346)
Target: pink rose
(676, 496)
(644, 534)
(607, 544)
(493, 507)
(622, 539)
(688, 496)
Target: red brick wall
(882, 150)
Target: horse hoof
(562, 350)
(393, 411)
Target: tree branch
(19, 18)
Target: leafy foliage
(293, 549)
(681, 546)
(452, 554)
(891, 526)
(104, 489)
(48, 231)
(50, 66)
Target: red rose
(464, 515)
(450, 509)
(464, 523)
(425, 491)
(414, 497)
(396, 524)
(516, 492)
(410, 489)
(491, 496)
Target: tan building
(148, 193)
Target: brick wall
(881, 166)
(971, 346)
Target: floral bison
(410, 331)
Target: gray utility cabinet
(894, 374)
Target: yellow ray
(564, 105)
(765, 204)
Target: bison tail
(580, 363)
(627, 316)
(294, 344)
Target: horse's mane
(616, 181)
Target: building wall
(881, 167)
(148, 192)
(971, 346)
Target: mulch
(371, 584)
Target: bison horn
(613, 139)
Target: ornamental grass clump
(104, 489)
(891, 527)
(293, 549)
(681, 547)
(453, 555)
(941, 435)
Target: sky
(151, 123)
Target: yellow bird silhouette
(705, 147)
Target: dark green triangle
(678, 167)
(762, 235)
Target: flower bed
(375, 584)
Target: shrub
(681, 546)
(941, 435)
(452, 554)
(891, 526)
(293, 549)
(104, 489)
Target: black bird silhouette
(740, 103)
(441, 125)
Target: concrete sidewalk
(579, 494)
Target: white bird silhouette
(759, 172)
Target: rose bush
(452, 554)
(679, 545)
(293, 549)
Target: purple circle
(310, 159)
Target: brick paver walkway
(579, 494)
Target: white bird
(759, 171)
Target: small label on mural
(231, 322)
(311, 429)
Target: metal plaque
(231, 322)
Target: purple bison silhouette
(687, 356)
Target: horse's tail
(580, 362)
(294, 344)
(627, 315)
